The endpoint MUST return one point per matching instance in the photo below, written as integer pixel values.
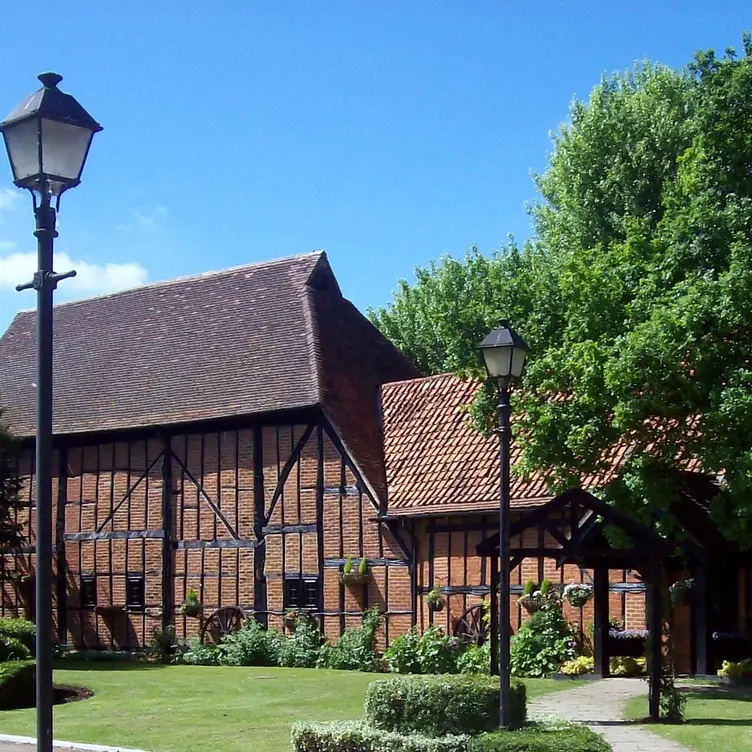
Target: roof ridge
(186, 278)
(431, 377)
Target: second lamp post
(504, 353)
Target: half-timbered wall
(447, 559)
(230, 514)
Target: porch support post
(655, 638)
(600, 621)
(168, 581)
(700, 604)
(494, 560)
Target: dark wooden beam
(221, 543)
(230, 529)
(655, 624)
(62, 590)
(131, 489)
(319, 518)
(700, 606)
(168, 594)
(116, 535)
(600, 622)
(284, 529)
(287, 469)
(260, 602)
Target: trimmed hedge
(438, 705)
(357, 736)
(17, 685)
(574, 739)
(21, 630)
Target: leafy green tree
(10, 487)
(634, 293)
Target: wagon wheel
(222, 622)
(470, 627)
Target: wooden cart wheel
(470, 627)
(222, 622)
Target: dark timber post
(701, 618)
(320, 519)
(168, 598)
(260, 606)
(62, 499)
(504, 514)
(600, 619)
(655, 638)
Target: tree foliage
(634, 292)
(10, 487)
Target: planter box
(105, 610)
(353, 579)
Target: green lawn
(718, 719)
(187, 708)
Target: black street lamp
(47, 138)
(504, 353)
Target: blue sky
(387, 133)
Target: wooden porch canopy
(570, 529)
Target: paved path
(600, 705)
(10, 743)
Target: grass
(718, 718)
(195, 708)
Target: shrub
(402, 653)
(302, 649)
(19, 629)
(578, 666)
(627, 666)
(356, 736)
(251, 646)
(571, 739)
(438, 652)
(88, 656)
(742, 669)
(12, 649)
(475, 659)
(543, 642)
(164, 646)
(435, 706)
(16, 685)
(355, 650)
(203, 655)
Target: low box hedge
(20, 630)
(439, 705)
(574, 739)
(358, 736)
(17, 685)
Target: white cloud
(146, 221)
(8, 198)
(91, 279)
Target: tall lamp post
(504, 353)
(47, 137)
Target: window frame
(302, 582)
(86, 581)
(140, 581)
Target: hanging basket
(191, 610)
(532, 602)
(353, 578)
(681, 591)
(578, 594)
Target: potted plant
(680, 591)
(354, 575)
(736, 673)
(578, 594)
(436, 601)
(291, 618)
(531, 599)
(191, 605)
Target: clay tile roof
(435, 462)
(255, 339)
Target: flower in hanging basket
(436, 601)
(353, 575)
(680, 591)
(191, 606)
(531, 599)
(578, 594)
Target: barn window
(88, 590)
(301, 592)
(135, 592)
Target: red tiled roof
(436, 463)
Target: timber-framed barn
(243, 433)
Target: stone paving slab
(600, 706)
(9, 743)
